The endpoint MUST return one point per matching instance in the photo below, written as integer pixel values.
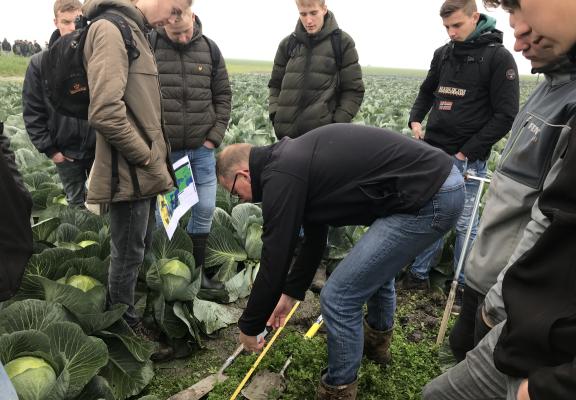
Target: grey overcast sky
(400, 34)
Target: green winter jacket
(307, 90)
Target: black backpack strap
(214, 55)
(336, 39)
(124, 28)
(291, 46)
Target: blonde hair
(62, 6)
(310, 3)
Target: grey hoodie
(512, 222)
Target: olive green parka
(307, 89)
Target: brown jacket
(125, 108)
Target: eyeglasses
(234, 197)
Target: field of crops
(102, 358)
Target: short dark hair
(506, 4)
(451, 6)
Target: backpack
(486, 56)
(335, 39)
(63, 73)
(212, 47)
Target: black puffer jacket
(196, 105)
(49, 131)
(472, 90)
(306, 88)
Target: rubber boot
(377, 344)
(341, 392)
(199, 252)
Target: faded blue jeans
(426, 260)
(367, 274)
(131, 226)
(203, 163)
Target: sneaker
(411, 282)
(162, 351)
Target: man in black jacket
(532, 355)
(69, 142)
(408, 192)
(471, 93)
(197, 101)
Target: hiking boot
(145, 333)
(377, 344)
(411, 282)
(457, 307)
(319, 279)
(341, 392)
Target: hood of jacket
(330, 25)
(486, 24)
(93, 8)
(195, 36)
(462, 49)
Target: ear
(324, 9)
(476, 17)
(245, 173)
(56, 22)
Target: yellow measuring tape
(261, 356)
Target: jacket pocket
(527, 157)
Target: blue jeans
(367, 274)
(131, 226)
(203, 165)
(429, 257)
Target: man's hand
(251, 343)
(208, 144)
(417, 130)
(278, 317)
(523, 391)
(59, 158)
(460, 156)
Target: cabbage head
(176, 278)
(32, 377)
(82, 282)
(177, 268)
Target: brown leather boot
(341, 392)
(377, 344)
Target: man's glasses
(234, 198)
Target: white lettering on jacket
(452, 91)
